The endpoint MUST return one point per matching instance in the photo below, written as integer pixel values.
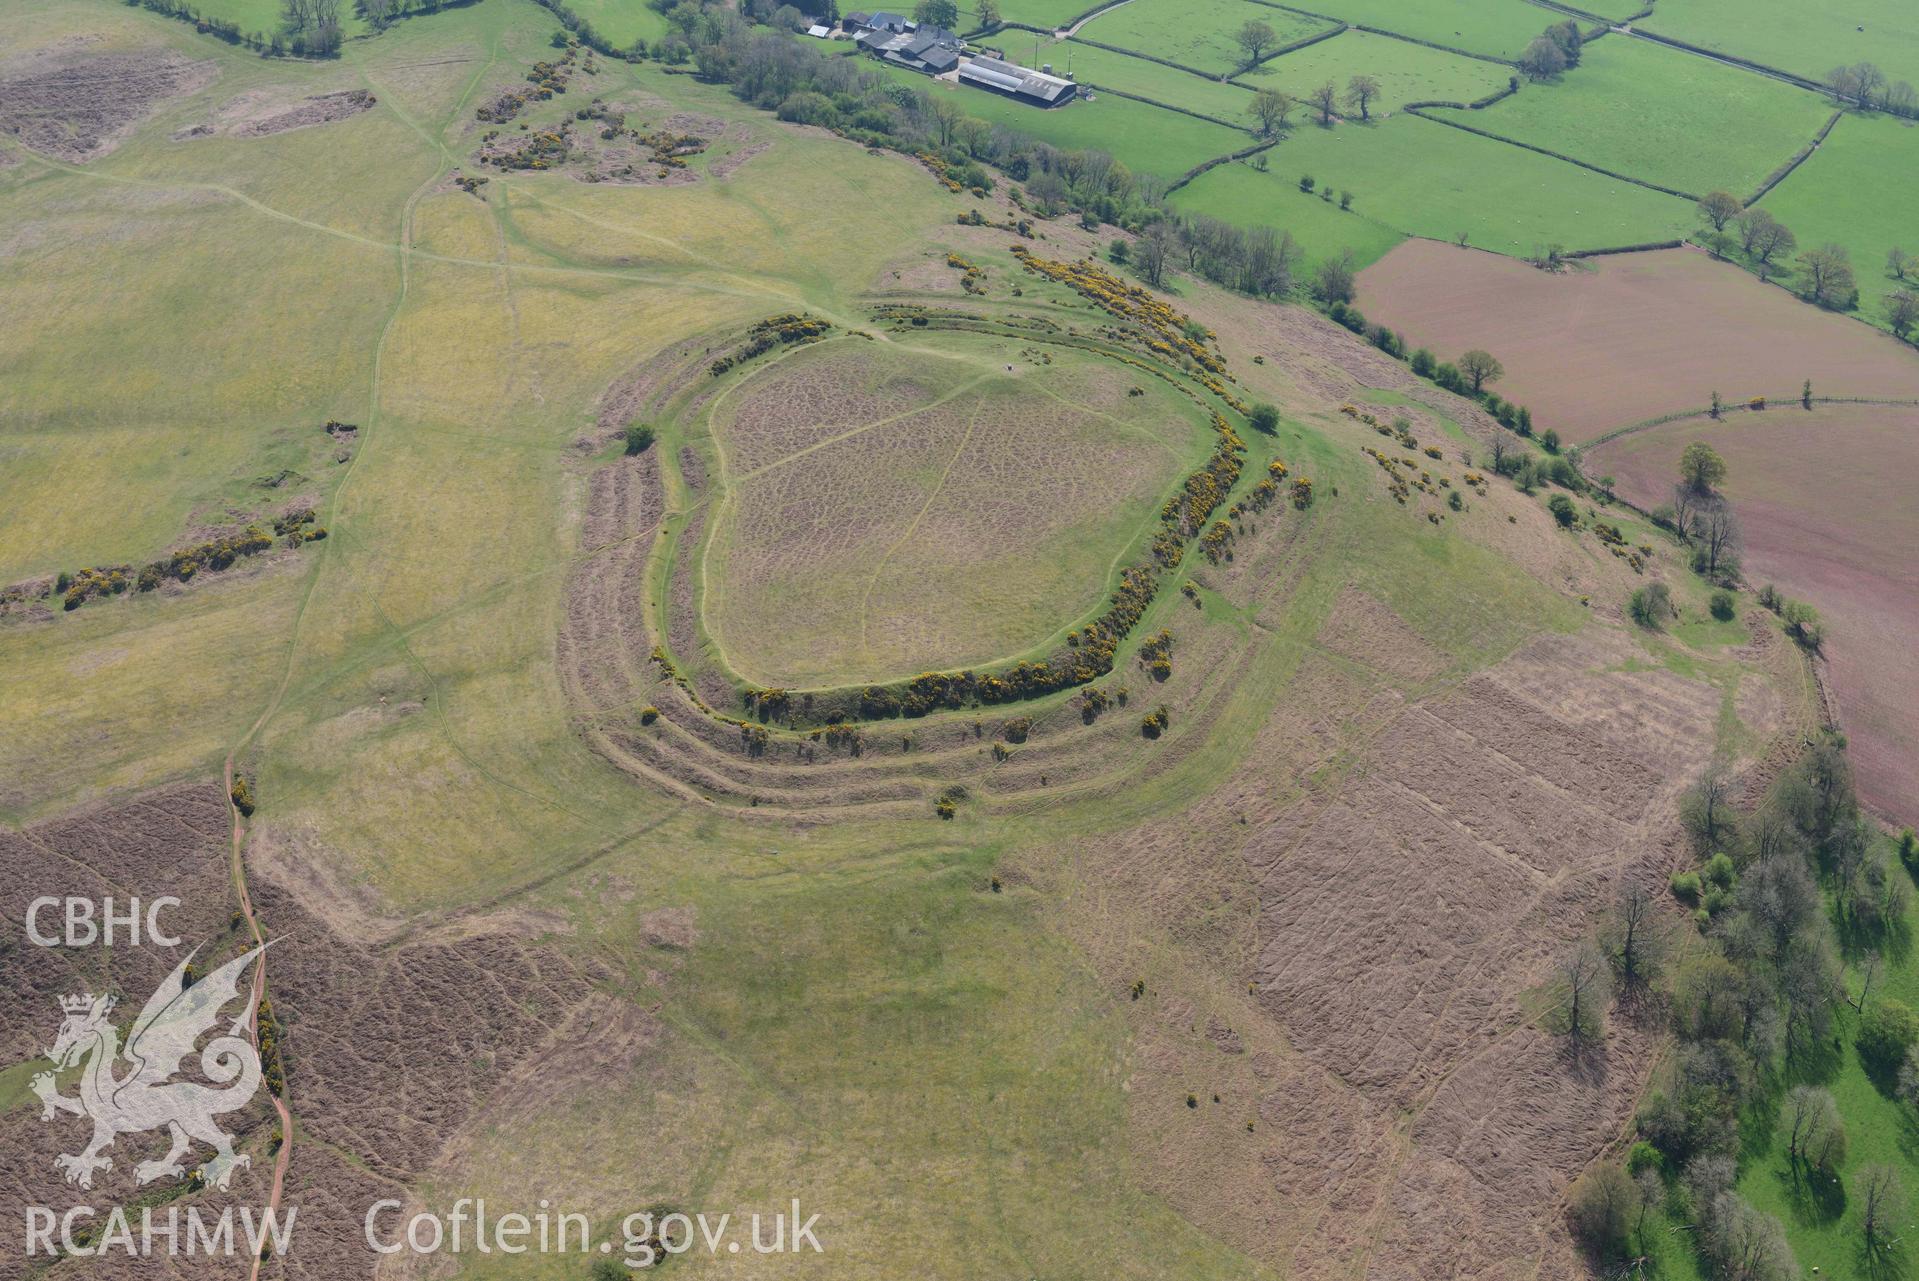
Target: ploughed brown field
(1825, 499)
(1620, 340)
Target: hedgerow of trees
(1755, 1009)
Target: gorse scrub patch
(789, 329)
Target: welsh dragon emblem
(144, 1096)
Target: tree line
(1863, 85)
(1822, 274)
(1756, 1009)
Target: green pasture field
(1425, 179)
(1105, 69)
(1049, 15)
(1242, 195)
(1406, 72)
(1617, 10)
(899, 540)
(1145, 138)
(1493, 28)
(262, 17)
(1196, 33)
(1806, 39)
(622, 21)
(1663, 115)
(1858, 190)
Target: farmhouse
(1014, 81)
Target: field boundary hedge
(1556, 155)
(1731, 407)
(1735, 60)
(1804, 154)
(1609, 250)
(1089, 15)
(1604, 25)
(1498, 95)
(1165, 106)
(1217, 161)
(227, 30)
(1147, 57)
(1339, 29)
(1392, 35)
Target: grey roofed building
(931, 50)
(888, 22)
(1015, 81)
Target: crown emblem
(79, 1003)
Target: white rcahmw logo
(147, 1096)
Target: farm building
(931, 50)
(1014, 81)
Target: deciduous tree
(1333, 279)
(1255, 37)
(1881, 1206)
(1543, 59)
(1583, 994)
(1701, 469)
(1815, 1132)
(1603, 1205)
(1902, 311)
(1480, 368)
(1271, 108)
(1825, 276)
(937, 13)
(1360, 93)
(1720, 208)
(1325, 100)
(1567, 36)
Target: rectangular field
(1806, 39)
(262, 17)
(1427, 179)
(1047, 14)
(1660, 114)
(1493, 28)
(1406, 72)
(1105, 69)
(1242, 195)
(622, 21)
(1196, 33)
(1628, 338)
(1858, 190)
(1144, 137)
(1825, 504)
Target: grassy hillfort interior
(1188, 638)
